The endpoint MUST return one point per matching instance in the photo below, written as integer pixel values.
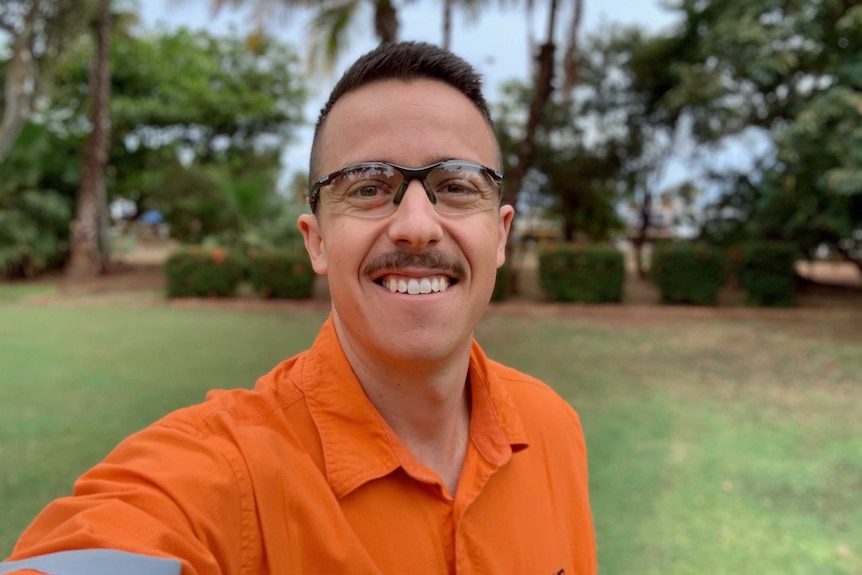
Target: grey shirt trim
(95, 562)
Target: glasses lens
(463, 187)
(369, 190)
(363, 190)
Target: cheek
(483, 247)
(348, 247)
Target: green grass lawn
(716, 445)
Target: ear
(507, 213)
(310, 229)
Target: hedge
(281, 274)
(688, 273)
(203, 272)
(767, 273)
(501, 285)
(590, 274)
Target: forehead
(410, 123)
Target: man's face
(412, 124)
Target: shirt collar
(358, 443)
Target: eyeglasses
(375, 189)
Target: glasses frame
(409, 174)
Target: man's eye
(456, 187)
(367, 191)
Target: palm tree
(330, 21)
(542, 91)
(543, 88)
(472, 7)
(38, 30)
(87, 249)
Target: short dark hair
(402, 61)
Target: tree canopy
(198, 125)
(793, 72)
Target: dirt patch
(122, 277)
(144, 283)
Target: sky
(495, 42)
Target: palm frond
(328, 33)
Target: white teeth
(414, 286)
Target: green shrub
(199, 272)
(590, 274)
(501, 285)
(688, 272)
(767, 273)
(281, 274)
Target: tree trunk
(569, 229)
(86, 246)
(571, 56)
(543, 86)
(19, 84)
(447, 24)
(641, 237)
(385, 21)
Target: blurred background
(685, 266)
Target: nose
(416, 223)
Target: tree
(542, 90)
(38, 31)
(625, 79)
(472, 7)
(198, 124)
(88, 247)
(789, 71)
(330, 21)
(37, 188)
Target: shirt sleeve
(92, 562)
(172, 492)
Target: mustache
(433, 259)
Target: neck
(426, 405)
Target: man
(394, 445)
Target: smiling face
(411, 285)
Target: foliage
(198, 124)
(281, 274)
(34, 34)
(501, 284)
(591, 274)
(605, 143)
(688, 272)
(332, 22)
(570, 179)
(199, 272)
(767, 272)
(790, 72)
(35, 204)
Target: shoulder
(273, 393)
(529, 393)
(547, 418)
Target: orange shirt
(302, 475)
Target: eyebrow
(434, 160)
